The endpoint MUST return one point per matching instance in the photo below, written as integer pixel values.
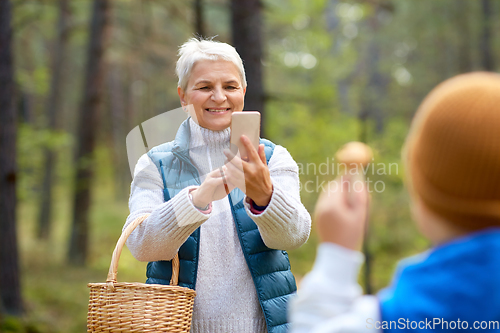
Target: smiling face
(215, 91)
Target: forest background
(85, 73)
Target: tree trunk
(463, 27)
(246, 28)
(370, 108)
(10, 287)
(54, 108)
(376, 85)
(24, 106)
(119, 119)
(88, 124)
(486, 48)
(375, 88)
(199, 23)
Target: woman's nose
(218, 95)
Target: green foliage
(31, 144)
(36, 82)
(11, 324)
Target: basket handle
(113, 268)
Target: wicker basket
(139, 307)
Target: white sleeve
(329, 298)
(285, 224)
(169, 223)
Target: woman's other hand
(214, 187)
(252, 176)
(340, 212)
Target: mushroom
(354, 154)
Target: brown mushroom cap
(354, 153)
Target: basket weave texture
(139, 307)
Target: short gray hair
(205, 49)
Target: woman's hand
(340, 213)
(214, 187)
(252, 176)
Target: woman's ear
(182, 96)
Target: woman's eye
(204, 88)
(231, 88)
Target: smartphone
(244, 123)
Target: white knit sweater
(226, 298)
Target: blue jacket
(457, 281)
(270, 269)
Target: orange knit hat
(453, 150)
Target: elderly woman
(231, 246)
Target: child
(452, 156)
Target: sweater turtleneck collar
(201, 136)
(206, 147)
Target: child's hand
(340, 212)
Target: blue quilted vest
(270, 269)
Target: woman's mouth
(218, 110)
